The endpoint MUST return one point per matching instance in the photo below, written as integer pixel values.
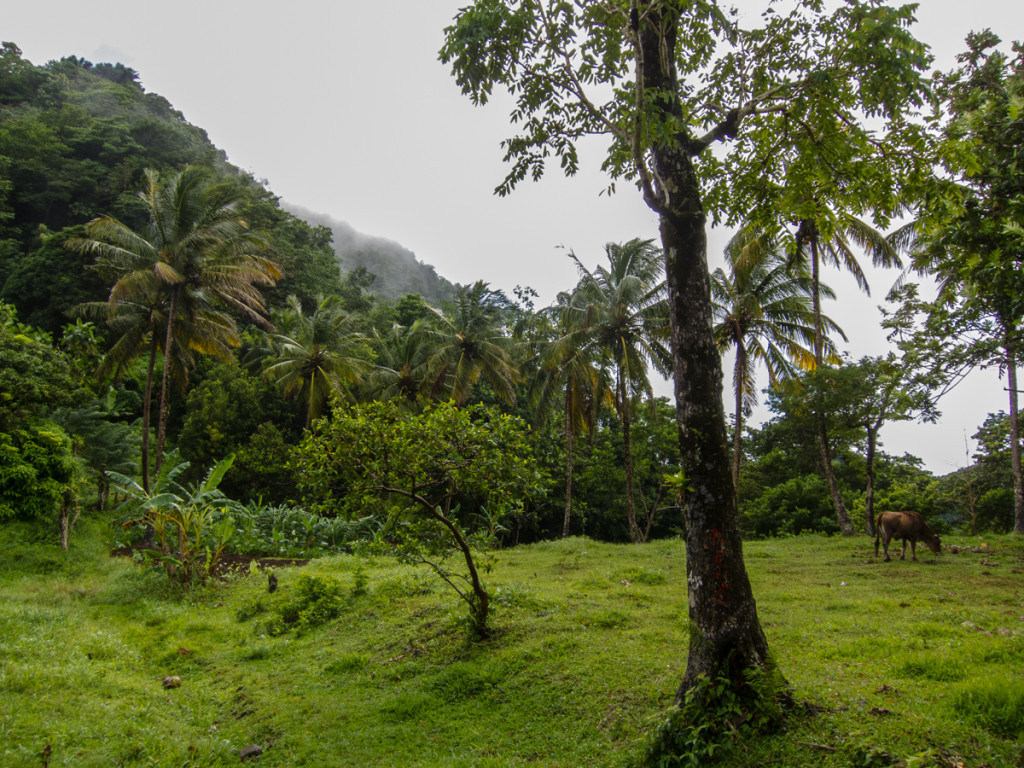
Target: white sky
(343, 108)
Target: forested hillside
(398, 272)
(75, 138)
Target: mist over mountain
(75, 141)
(397, 269)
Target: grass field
(907, 663)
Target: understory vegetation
(363, 660)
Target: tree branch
(575, 85)
(651, 196)
(730, 126)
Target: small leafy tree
(868, 394)
(428, 470)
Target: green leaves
(189, 537)
(429, 471)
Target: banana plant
(182, 512)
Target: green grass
(916, 664)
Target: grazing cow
(908, 526)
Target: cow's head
(933, 543)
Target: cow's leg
(903, 552)
(886, 538)
(913, 550)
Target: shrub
(314, 601)
(287, 531)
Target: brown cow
(909, 526)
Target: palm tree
(401, 363)
(834, 246)
(569, 368)
(315, 355)
(764, 309)
(625, 311)
(194, 255)
(470, 341)
(139, 327)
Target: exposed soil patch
(228, 564)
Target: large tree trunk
(1018, 476)
(725, 634)
(809, 231)
(726, 638)
(568, 463)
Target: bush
(798, 505)
(37, 471)
(313, 602)
(286, 531)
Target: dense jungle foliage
(76, 143)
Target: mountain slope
(397, 269)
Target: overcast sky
(343, 108)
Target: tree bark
(568, 463)
(809, 231)
(146, 416)
(1015, 458)
(165, 384)
(725, 635)
(634, 529)
(869, 471)
(737, 438)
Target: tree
(568, 367)
(836, 251)
(34, 377)
(401, 366)
(969, 233)
(99, 442)
(470, 341)
(138, 325)
(764, 309)
(315, 355)
(624, 312)
(680, 78)
(867, 395)
(196, 253)
(424, 469)
(222, 414)
(38, 471)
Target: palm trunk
(165, 384)
(725, 635)
(869, 471)
(568, 463)
(634, 530)
(810, 231)
(1015, 458)
(737, 438)
(147, 399)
